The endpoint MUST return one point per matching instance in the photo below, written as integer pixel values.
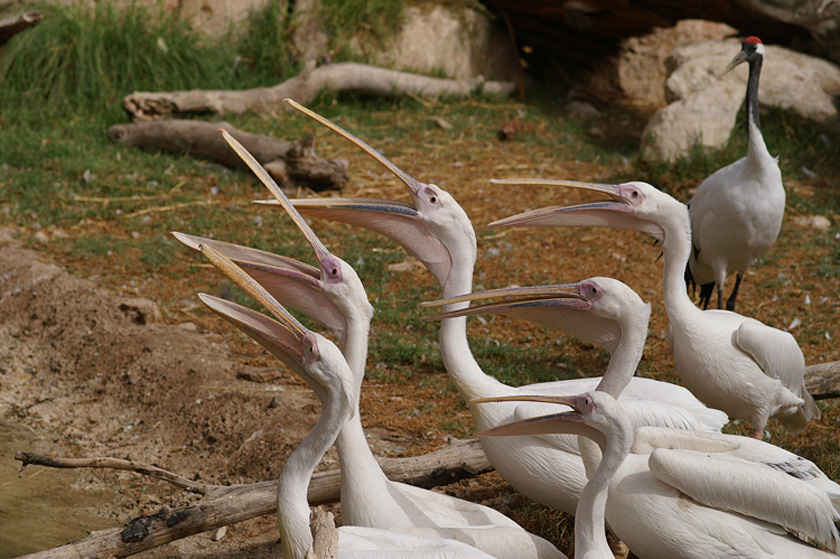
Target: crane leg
(730, 303)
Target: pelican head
(632, 205)
(313, 357)
(593, 415)
(597, 310)
(432, 227)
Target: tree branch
(823, 380)
(224, 505)
(305, 87)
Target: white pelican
(730, 362)
(436, 230)
(319, 362)
(736, 213)
(368, 498)
(677, 494)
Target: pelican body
(730, 362)
(320, 363)
(677, 494)
(736, 213)
(334, 295)
(436, 230)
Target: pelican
(677, 494)
(736, 213)
(319, 362)
(368, 498)
(730, 362)
(436, 230)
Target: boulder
(704, 106)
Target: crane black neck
(752, 92)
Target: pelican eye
(433, 199)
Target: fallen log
(224, 505)
(303, 88)
(823, 380)
(291, 164)
(14, 25)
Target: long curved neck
(757, 148)
(361, 475)
(676, 248)
(590, 516)
(293, 483)
(625, 359)
(458, 359)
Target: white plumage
(436, 230)
(736, 213)
(676, 494)
(730, 362)
(334, 295)
(320, 363)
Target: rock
(705, 107)
(582, 109)
(818, 222)
(141, 310)
(464, 43)
(212, 16)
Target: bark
(224, 505)
(14, 25)
(324, 535)
(304, 88)
(823, 380)
(291, 164)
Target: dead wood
(291, 164)
(14, 25)
(324, 535)
(823, 380)
(303, 88)
(224, 505)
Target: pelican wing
(726, 482)
(780, 357)
(775, 351)
(398, 221)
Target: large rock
(704, 106)
(463, 44)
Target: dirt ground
(91, 367)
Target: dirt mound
(93, 373)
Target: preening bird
(730, 362)
(736, 213)
(436, 230)
(677, 494)
(368, 498)
(320, 363)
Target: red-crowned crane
(736, 213)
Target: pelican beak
(739, 58)
(413, 185)
(265, 267)
(295, 333)
(500, 301)
(542, 425)
(593, 214)
(325, 258)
